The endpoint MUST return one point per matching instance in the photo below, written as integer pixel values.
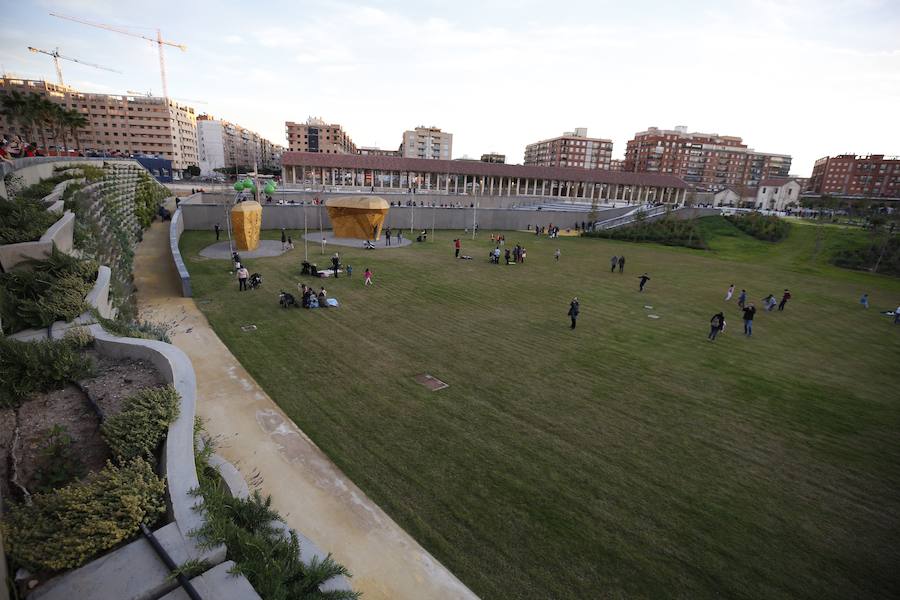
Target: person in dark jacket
(283, 239)
(218, 229)
(644, 279)
(715, 326)
(612, 263)
(621, 263)
(749, 313)
(335, 263)
(573, 311)
(784, 300)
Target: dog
(286, 300)
(255, 281)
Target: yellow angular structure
(358, 217)
(246, 221)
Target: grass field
(627, 458)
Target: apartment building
(428, 143)
(318, 136)
(117, 125)
(226, 145)
(571, 149)
(707, 160)
(850, 175)
(616, 165)
(494, 157)
(373, 151)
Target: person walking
(742, 299)
(456, 246)
(864, 301)
(556, 255)
(749, 313)
(574, 309)
(621, 263)
(242, 275)
(729, 293)
(784, 299)
(335, 263)
(218, 230)
(283, 239)
(368, 276)
(506, 255)
(290, 244)
(387, 236)
(349, 270)
(770, 302)
(715, 326)
(612, 263)
(897, 316)
(644, 279)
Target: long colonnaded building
(300, 169)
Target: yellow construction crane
(158, 41)
(56, 56)
(149, 94)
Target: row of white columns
(488, 185)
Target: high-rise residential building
(571, 149)
(493, 157)
(616, 165)
(847, 174)
(318, 136)
(373, 151)
(427, 142)
(225, 145)
(707, 160)
(118, 125)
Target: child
(729, 293)
(864, 300)
(368, 275)
(556, 254)
(349, 270)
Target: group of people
(717, 323)
(310, 299)
(518, 254)
(617, 261)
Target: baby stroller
(255, 281)
(368, 245)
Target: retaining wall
(60, 233)
(176, 228)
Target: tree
(193, 170)
(76, 121)
(19, 108)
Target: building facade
(117, 125)
(429, 143)
(373, 151)
(571, 149)
(707, 160)
(850, 175)
(478, 178)
(616, 165)
(778, 194)
(225, 145)
(318, 136)
(494, 157)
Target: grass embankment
(627, 458)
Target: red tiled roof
(477, 168)
(776, 181)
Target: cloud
(234, 39)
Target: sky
(808, 78)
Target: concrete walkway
(313, 495)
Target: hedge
(68, 527)
(768, 228)
(23, 220)
(142, 424)
(668, 231)
(29, 367)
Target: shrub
(50, 290)
(268, 559)
(23, 220)
(763, 227)
(865, 259)
(58, 465)
(147, 330)
(66, 528)
(89, 172)
(668, 231)
(28, 367)
(142, 424)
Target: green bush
(44, 291)
(66, 528)
(768, 228)
(90, 172)
(23, 220)
(146, 330)
(668, 231)
(28, 367)
(865, 259)
(268, 559)
(142, 424)
(58, 464)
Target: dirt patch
(67, 408)
(118, 379)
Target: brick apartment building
(707, 160)
(123, 125)
(427, 142)
(874, 175)
(373, 151)
(226, 145)
(318, 136)
(494, 157)
(571, 149)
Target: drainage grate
(432, 383)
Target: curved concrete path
(313, 495)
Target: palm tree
(41, 113)
(18, 108)
(76, 121)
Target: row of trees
(37, 115)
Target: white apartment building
(427, 142)
(221, 144)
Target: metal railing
(633, 216)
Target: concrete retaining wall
(134, 571)
(176, 228)
(60, 233)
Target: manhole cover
(432, 383)
(248, 327)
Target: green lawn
(627, 458)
